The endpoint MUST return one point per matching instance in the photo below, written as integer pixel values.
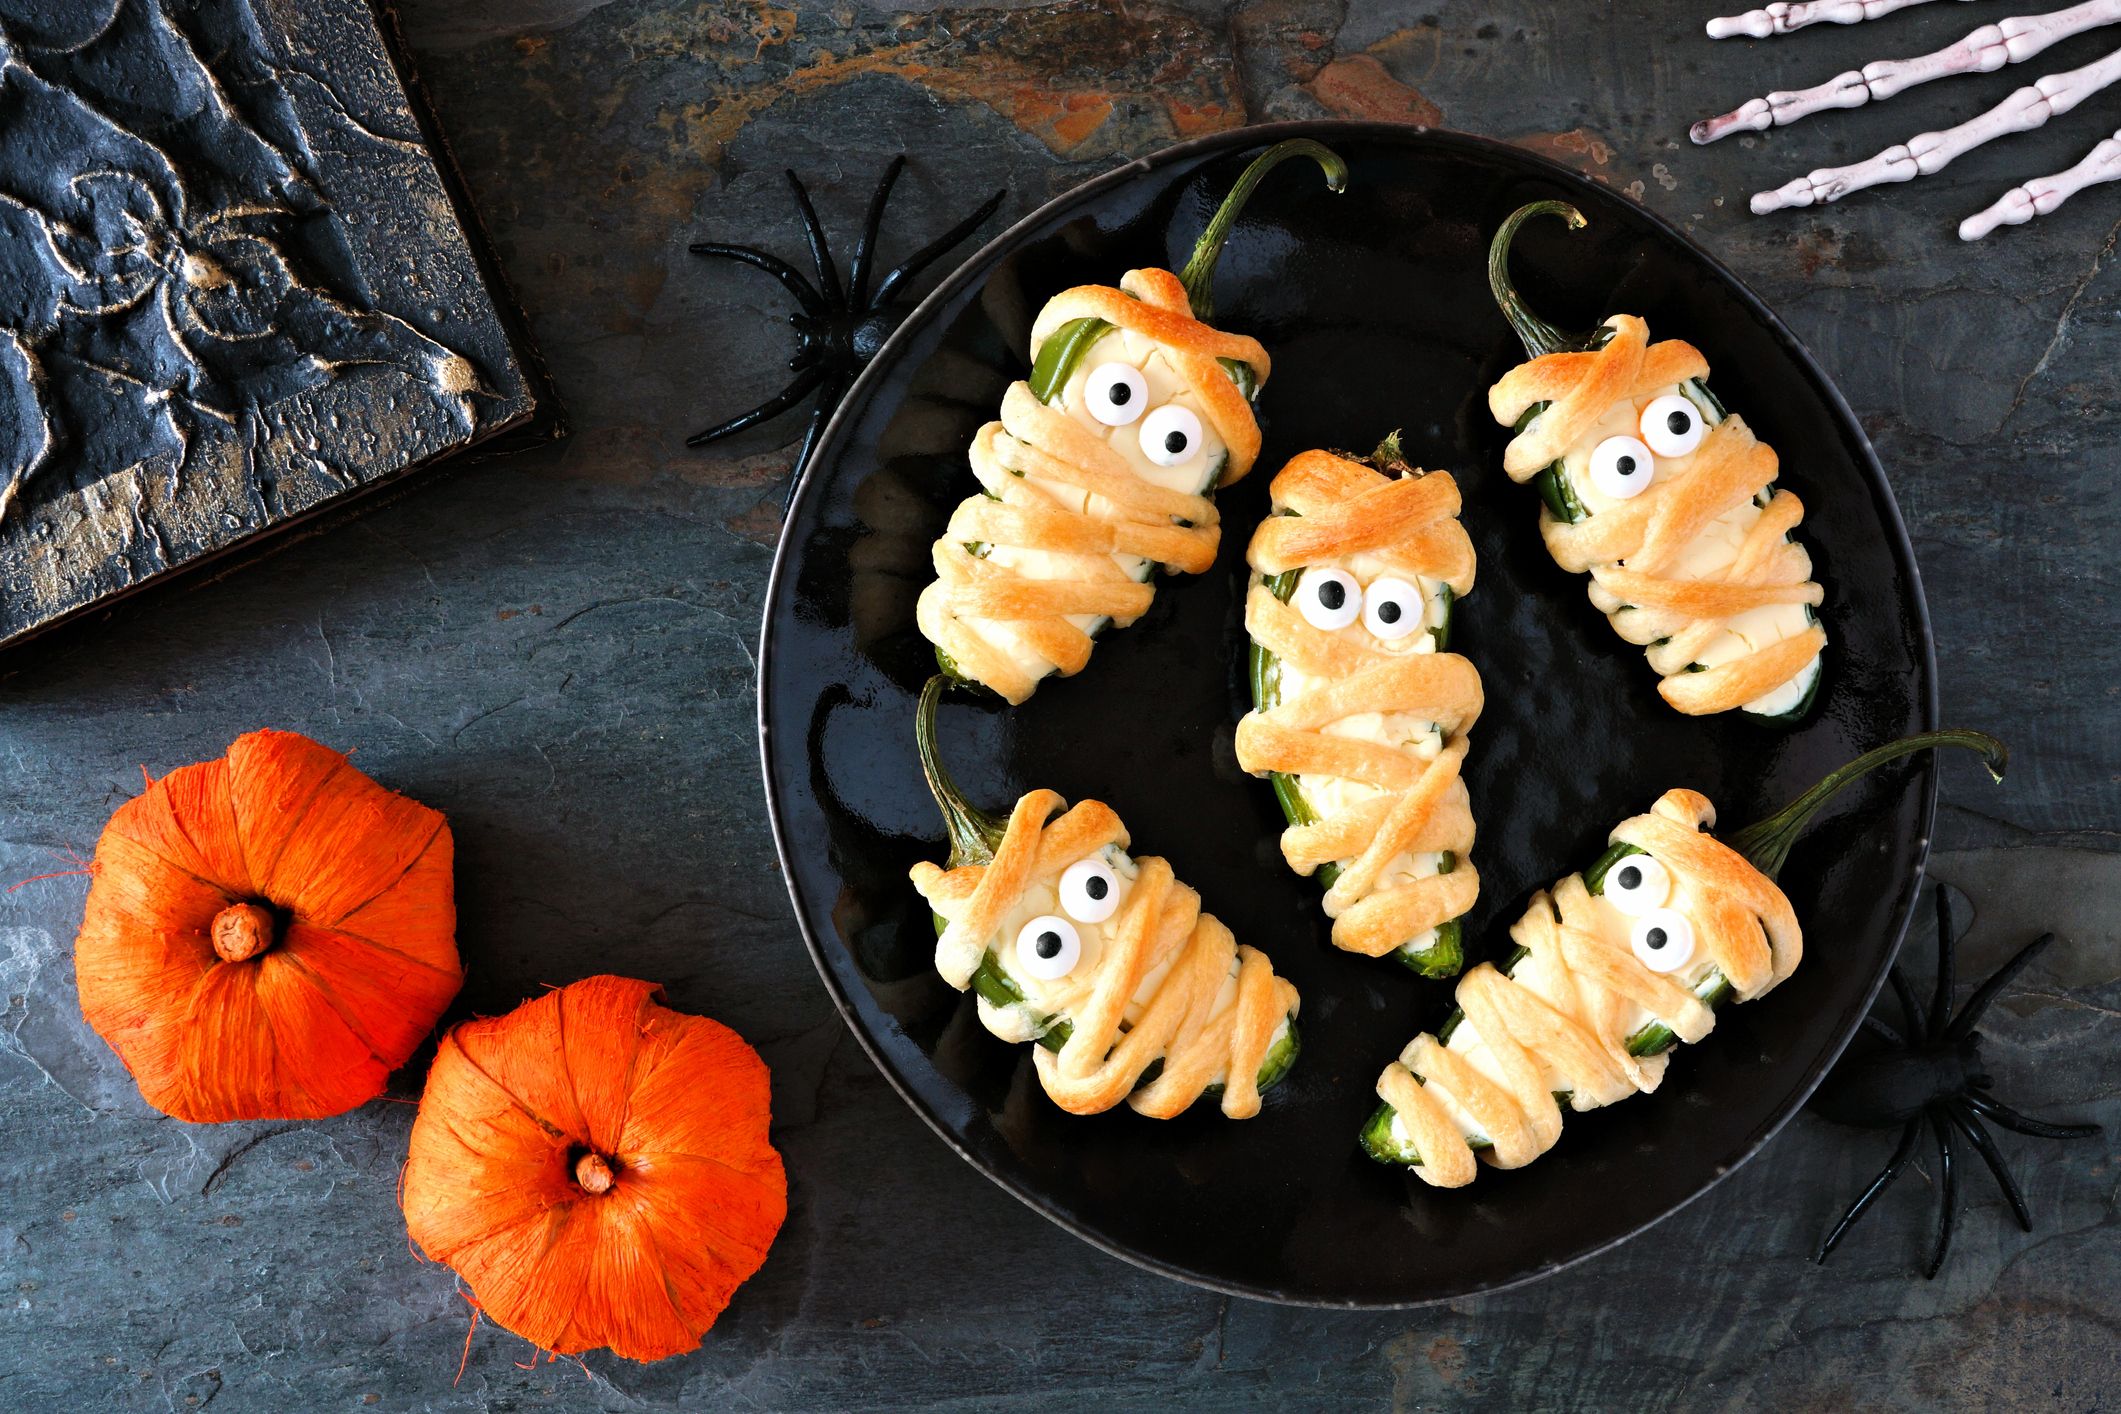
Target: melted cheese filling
(1704, 557)
(1329, 795)
(1536, 972)
(1195, 474)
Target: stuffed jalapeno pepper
(1101, 467)
(1103, 959)
(1359, 714)
(1666, 500)
(1612, 968)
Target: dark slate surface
(233, 289)
(556, 649)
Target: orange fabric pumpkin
(268, 935)
(596, 1167)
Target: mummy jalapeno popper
(1102, 465)
(1104, 960)
(1666, 500)
(1612, 969)
(1359, 714)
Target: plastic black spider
(839, 328)
(1933, 1073)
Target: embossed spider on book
(238, 288)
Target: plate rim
(1326, 130)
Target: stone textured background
(555, 649)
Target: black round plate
(1375, 310)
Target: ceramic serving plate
(1374, 307)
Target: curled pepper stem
(1539, 336)
(974, 834)
(1199, 275)
(1767, 844)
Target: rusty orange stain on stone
(1360, 86)
(1059, 74)
(1580, 148)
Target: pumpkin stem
(593, 1172)
(243, 930)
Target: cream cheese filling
(1330, 795)
(1537, 973)
(1708, 554)
(1062, 996)
(1195, 474)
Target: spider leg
(1870, 1195)
(913, 264)
(779, 269)
(1970, 1015)
(1908, 1010)
(828, 274)
(1883, 1031)
(828, 399)
(773, 407)
(865, 248)
(1986, 1148)
(1941, 998)
(1948, 1200)
(2025, 1124)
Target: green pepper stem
(1767, 844)
(1199, 275)
(974, 835)
(1539, 337)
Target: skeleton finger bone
(2042, 195)
(1781, 18)
(2008, 41)
(1929, 153)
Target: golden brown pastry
(1667, 502)
(1612, 968)
(1359, 715)
(1101, 467)
(1105, 960)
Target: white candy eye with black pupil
(1622, 467)
(1116, 393)
(1048, 947)
(1638, 884)
(1672, 426)
(1170, 435)
(1089, 891)
(1663, 940)
(1328, 599)
(1391, 608)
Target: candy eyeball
(1672, 426)
(1116, 393)
(1048, 947)
(1328, 599)
(1089, 891)
(1170, 435)
(1663, 940)
(1638, 884)
(1392, 608)
(1622, 467)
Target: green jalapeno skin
(1765, 845)
(1063, 351)
(974, 837)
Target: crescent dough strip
(1159, 980)
(1637, 550)
(1065, 531)
(1559, 1022)
(1374, 731)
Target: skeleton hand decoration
(1984, 50)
